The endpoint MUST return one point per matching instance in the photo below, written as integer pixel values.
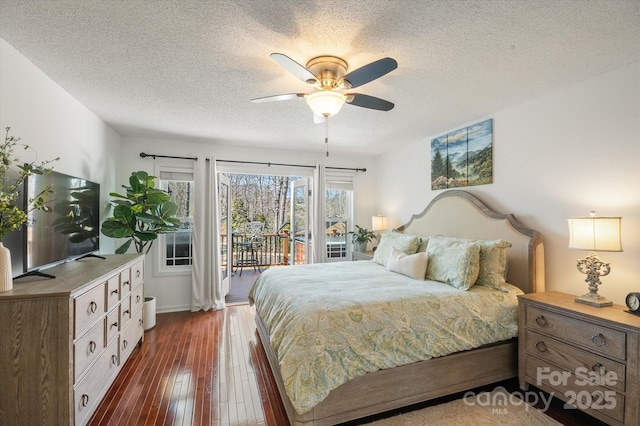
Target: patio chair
(250, 245)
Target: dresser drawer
(88, 392)
(594, 337)
(88, 308)
(87, 348)
(125, 311)
(113, 324)
(113, 292)
(125, 283)
(137, 299)
(131, 335)
(596, 400)
(585, 365)
(137, 274)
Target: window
(176, 248)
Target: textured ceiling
(188, 69)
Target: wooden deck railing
(274, 250)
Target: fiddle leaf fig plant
(141, 215)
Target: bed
(380, 384)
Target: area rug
(486, 408)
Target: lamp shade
(378, 223)
(326, 102)
(595, 233)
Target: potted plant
(13, 214)
(360, 237)
(140, 215)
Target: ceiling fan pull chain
(326, 134)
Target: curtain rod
(154, 156)
(143, 155)
(290, 165)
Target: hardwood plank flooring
(208, 368)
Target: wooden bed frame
(452, 213)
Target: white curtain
(206, 283)
(318, 232)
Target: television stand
(37, 273)
(90, 255)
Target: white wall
(174, 292)
(559, 155)
(55, 124)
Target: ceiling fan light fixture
(326, 102)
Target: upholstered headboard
(456, 213)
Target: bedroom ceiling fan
(328, 74)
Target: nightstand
(583, 355)
(361, 255)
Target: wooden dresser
(583, 355)
(64, 340)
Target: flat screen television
(71, 228)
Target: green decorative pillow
(493, 263)
(405, 243)
(411, 265)
(453, 261)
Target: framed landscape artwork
(463, 157)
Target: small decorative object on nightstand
(583, 355)
(633, 303)
(594, 234)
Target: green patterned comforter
(329, 323)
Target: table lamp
(594, 234)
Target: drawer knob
(598, 368)
(93, 307)
(126, 312)
(598, 339)
(124, 344)
(138, 299)
(114, 360)
(92, 346)
(541, 346)
(541, 321)
(116, 291)
(85, 400)
(138, 273)
(140, 322)
(115, 324)
(126, 283)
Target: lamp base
(594, 300)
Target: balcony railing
(274, 250)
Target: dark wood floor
(208, 368)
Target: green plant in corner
(141, 215)
(13, 173)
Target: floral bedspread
(329, 323)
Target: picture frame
(463, 157)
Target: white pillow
(411, 265)
(405, 243)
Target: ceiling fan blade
(370, 72)
(371, 102)
(318, 119)
(294, 68)
(284, 97)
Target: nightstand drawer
(594, 337)
(589, 398)
(583, 364)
